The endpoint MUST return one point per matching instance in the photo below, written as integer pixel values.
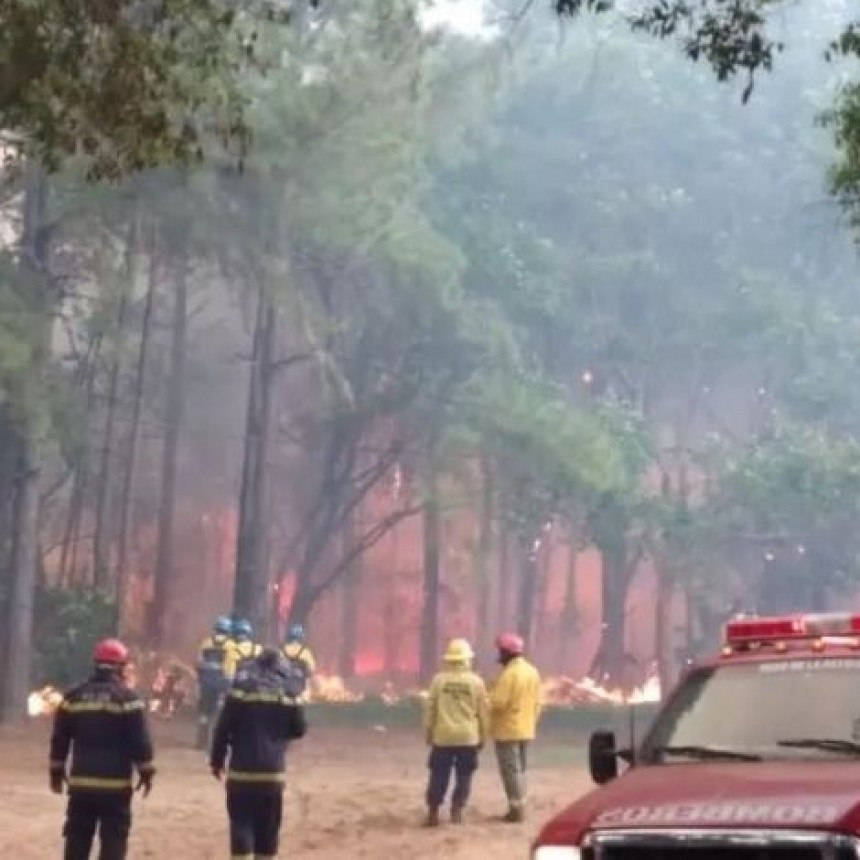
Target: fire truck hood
(790, 795)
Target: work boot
(456, 815)
(432, 819)
(516, 815)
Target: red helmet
(110, 652)
(511, 643)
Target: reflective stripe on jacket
(255, 726)
(102, 725)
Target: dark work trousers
(207, 707)
(255, 814)
(109, 812)
(463, 762)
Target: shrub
(68, 623)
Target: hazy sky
(462, 16)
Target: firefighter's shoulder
(92, 696)
(128, 697)
(75, 693)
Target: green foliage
(123, 86)
(798, 485)
(68, 623)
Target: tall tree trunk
(569, 612)
(81, 476)
(429, 633)
(350, 595)
(541, 614)
(391, 633)
(164, 565)
(662, 627)
(25, 543)
(529, 575)
(10, 452)
(130, 477)
(104, 507)
(252, 586)
(483, 596)
(610, 662)
(241, 586)
(503, 609)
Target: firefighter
(299, 662)
(102, 723)
(256, 725)
(244, 649)
(215, 665)
(515, 708)
(456, 724)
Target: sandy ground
(355, 794)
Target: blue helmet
(243, 628)
(223, 625)
(296, 633)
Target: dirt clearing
(352, 793)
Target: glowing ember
(44, 702)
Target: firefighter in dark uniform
(215, 667)
(102, 723)
(255, 726)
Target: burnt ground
(352, 793)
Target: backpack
(295, 673)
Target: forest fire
(172, 690)
(648, 692)
(331, 688)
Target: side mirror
(602, 760)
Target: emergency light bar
(759, 631)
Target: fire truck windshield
(797, 708)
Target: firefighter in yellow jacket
(456, 725)
(515, 708)
(215, 666)
(243, 649)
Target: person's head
(223, 626)
(110, 657)
(296, 633)
(242, 630)
(510, 646)
(458, 653)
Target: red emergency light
(760, 631)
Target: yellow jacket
(241, 651)
(456, 711)
(515, 702)
(297, 651)
(215, 655)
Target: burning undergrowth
(171, 689)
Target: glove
(144, 782)
(57, 781)
(217, 772)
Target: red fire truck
(755, 755)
